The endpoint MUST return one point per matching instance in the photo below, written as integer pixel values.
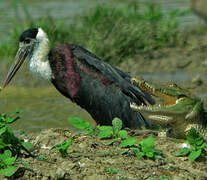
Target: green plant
(10, 145)
(7, 163)
(113, 131)
(144, 148)
(102, 132)
(197, 146)
(129, 142)
(62, 148)
(7, 138)
(164, 177)
(112, 170)
(81, 124)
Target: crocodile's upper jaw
(160, 91)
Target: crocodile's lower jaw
(155, 110)
(160, 118)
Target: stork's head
(29, 40)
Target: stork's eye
(27, 41)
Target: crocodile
(179, 109)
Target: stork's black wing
(118, 77)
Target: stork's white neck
(38, 63)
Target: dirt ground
(89, 157)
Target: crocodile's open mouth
(167, 108)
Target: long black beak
(19, 59)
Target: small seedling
(144, 148)
(81, 124)
(197, 146)
(129, 142)
(164, 177)
(112, 170)
(7, 163)
(7, 138)
(113, 131)
(10, 145)
(62, 148)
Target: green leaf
(63, 145)
(150, 154)
(11, 118)
(128, 142)
(7, 154)
(137, 152)
(164, 177)
(194, 155)
(158, 154)
(203, 146)
(90, 131)
(117, 124)
(111, 170)
(124, 152)
(62, 148)
(10, 161)
(9, 171)
(79, 123)
(194, 137)
(3, 130)
(41, 157)
(3, 145)
(183, 152)
(140, 154)
(104, 128)
(15, 113)
(148, 146)
(123, 134)
(27, 145)
(105, 134)
(111, 142)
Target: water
(41, 107)
(176, 77)
(40, 104)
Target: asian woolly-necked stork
(103, 90)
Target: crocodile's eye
(182, 96)
(27, 41)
